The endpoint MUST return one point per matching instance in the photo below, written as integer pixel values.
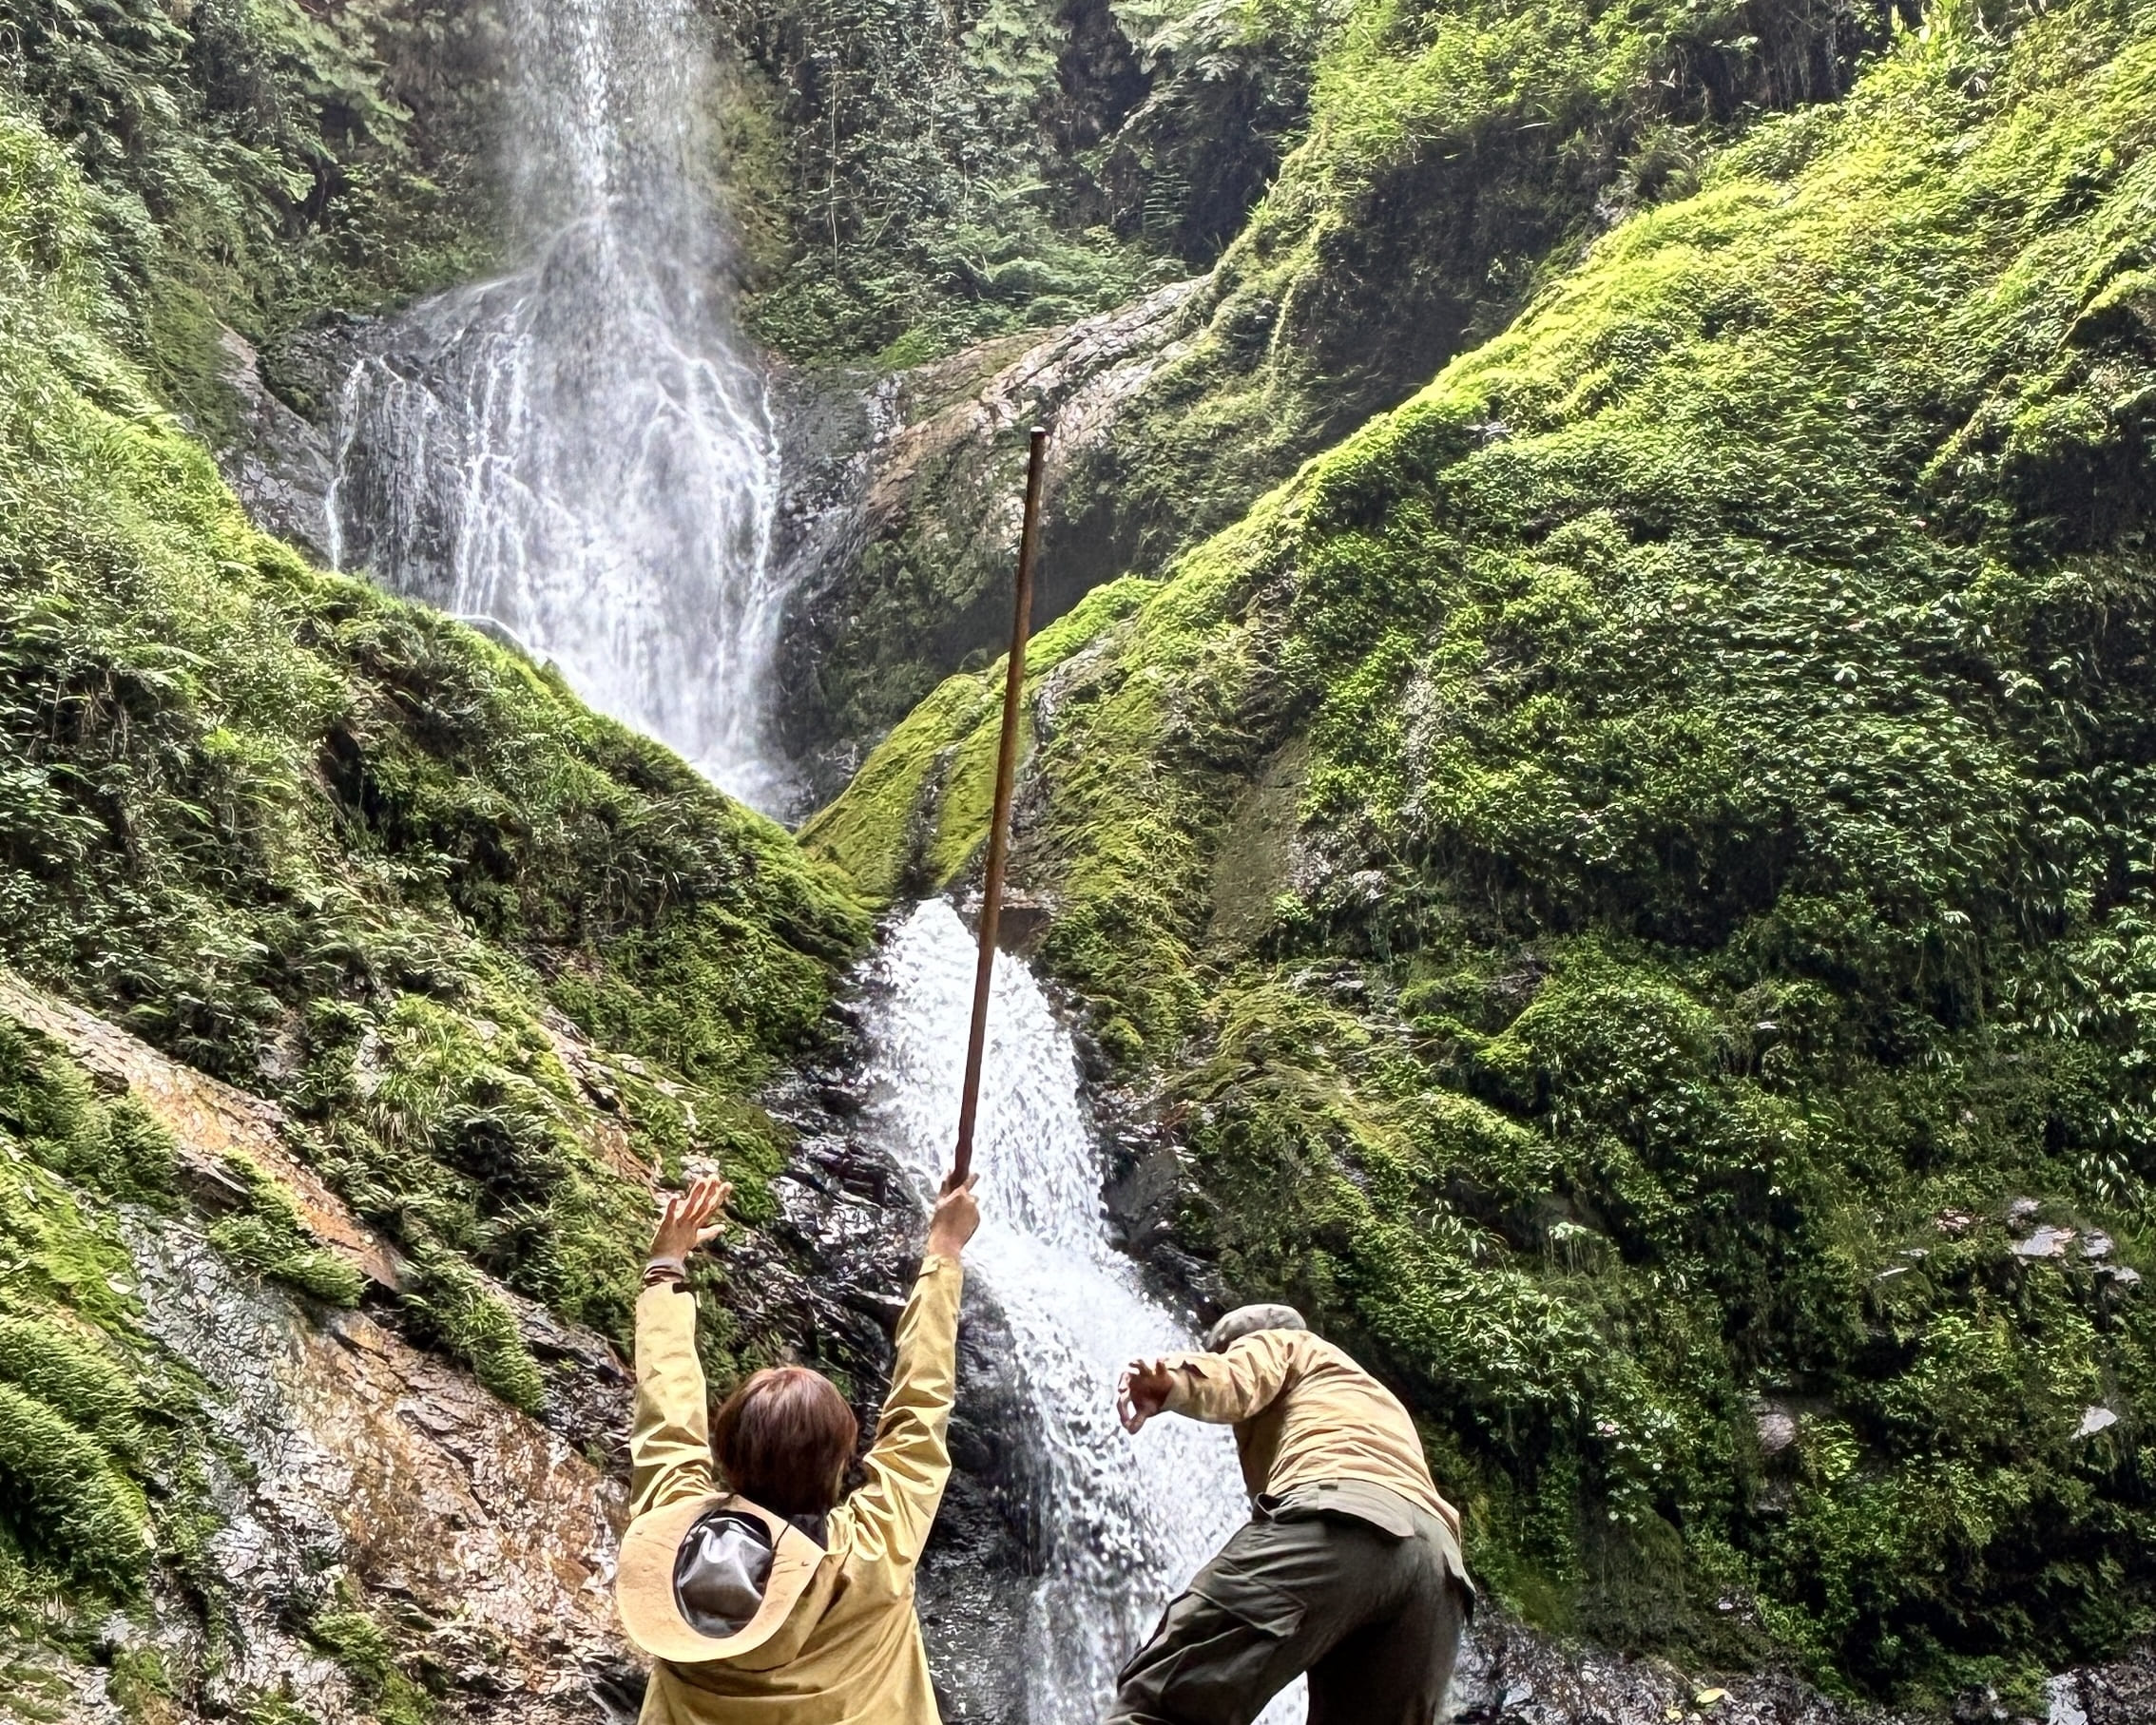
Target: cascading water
(579, 451)
(1126, 1521)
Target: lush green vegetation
(341, 852)
(1456, 153)
(1646, 847)
(252, 163)
(912, 177)
(89, 1415)
(1446, 158)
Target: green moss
(274, 1709)
(368, 1653)
(140, 1685)
(916, 812)
(110, 1145)
(269, 1238)
(73, 1374)
(65, 1498)
(461, 1313)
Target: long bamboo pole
(999, 822)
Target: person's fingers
(705, 1236)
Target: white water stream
(578, 452)
(1128, 1520)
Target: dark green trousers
(1371, 1608)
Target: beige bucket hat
(644, 1582)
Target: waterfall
(1126, 1520)
(579, 454)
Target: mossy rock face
(1717, 708)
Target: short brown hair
(783, 1438)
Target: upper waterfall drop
(580, 451)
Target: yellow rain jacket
(850, 1652)
(1304, 1412)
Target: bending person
(769, 1599)
(1350, 1567)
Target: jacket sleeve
(910, 1460)
(671, 1442)
(1227, 1388)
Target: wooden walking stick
(999, 822)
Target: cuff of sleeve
(935, 1263)
(661, 1271)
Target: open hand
(957, 1216)
(1143, 1391)
(688, 1223)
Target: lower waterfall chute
(1127, 1520)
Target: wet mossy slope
(1630, 878)
(492, 953)
(1426, 164)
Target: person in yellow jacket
(1349, 1568)
(767, 1599)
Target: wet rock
(347, 1458)
(2021, 1213)
(1777, 1428)
(897, 483)
(280, 465)
(2045, 1242)
(2121, 1694)
(1509, 1675)
(2094, 1420)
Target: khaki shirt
(1303, 1411)
(850, 1653)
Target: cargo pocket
(1264, 1607)
(1222, 1649)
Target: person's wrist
(943, 1246)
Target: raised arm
(1221, 1388)
(910, 1460)
(670, 1441)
